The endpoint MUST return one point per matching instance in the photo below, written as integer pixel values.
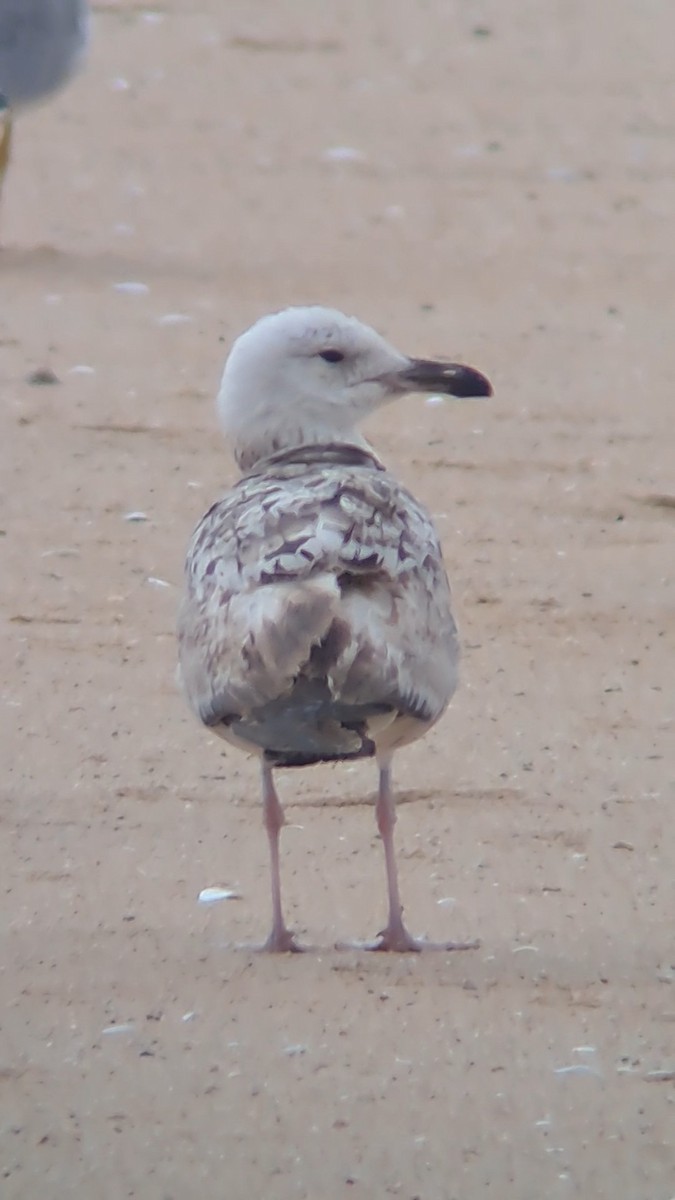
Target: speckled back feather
(316, 622)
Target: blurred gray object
(42, 44)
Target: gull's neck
(252, 447)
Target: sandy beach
(494, 186)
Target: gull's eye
(331, 356)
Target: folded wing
(317, 613)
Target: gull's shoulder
(300, 513)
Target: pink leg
(280, 939)
(395, 936)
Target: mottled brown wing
(324, 574)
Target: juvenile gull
(42, 42)
(316, 622)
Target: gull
(42, 43)
(316, 624)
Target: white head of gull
(309, 376)
(316, 623)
